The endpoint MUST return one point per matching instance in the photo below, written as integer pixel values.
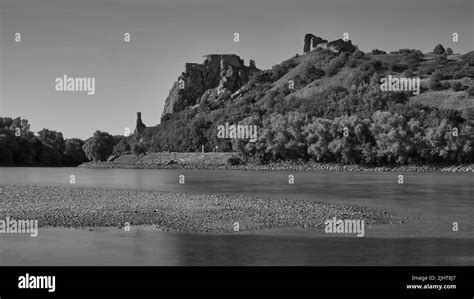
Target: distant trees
(385, 138)
(74, 151)
(99, 147)
(449, 51)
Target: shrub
(470, 90)
(138, 149)
(234, 161)
(311, 73)
(446, 85)
(457, 86)
(469, 58)
(123, 146)
(377, 52)
(435, 84)
(458, 75)
(335, 65)
(438, 75)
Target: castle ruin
(312, 42)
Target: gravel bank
(81, 207)
(293, 166)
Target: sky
(83, 38)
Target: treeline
(21, 147)
(385, 138)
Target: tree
(438, 50)
(74, 151)
(49, 156)
(53, 139)
(6, 154)
(123, 146)
(392, 141)
(24, 155)
(99, 147)
(449, 51)
(138, 149)
(319, 134)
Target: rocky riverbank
(80, 207)
(202, 161)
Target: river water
(438, 199)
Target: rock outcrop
(312, 42)
(217, 76)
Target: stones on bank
(81, 207)
(172, 164)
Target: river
(438, 199)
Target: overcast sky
(82, 38)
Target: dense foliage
(21, 147)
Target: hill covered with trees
(328, 106)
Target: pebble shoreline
(281, 166)
(81, 207)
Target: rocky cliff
(218, 76)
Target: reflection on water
(140, 247)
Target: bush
(438, 75)
(435, 84)
(377, 52)
(311, 73)
(457, 86)
(397, 67)
(138, 149)
(446, 85)
(469, 58)
(470, 90)
(335, 65)
(458, 75)
(234, 161)
(123, 146)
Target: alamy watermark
(28, 281)
(237, 132)
(12, 226)
(400, 84)
(346, 226)
(66, 83)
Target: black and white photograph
(254, 134)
